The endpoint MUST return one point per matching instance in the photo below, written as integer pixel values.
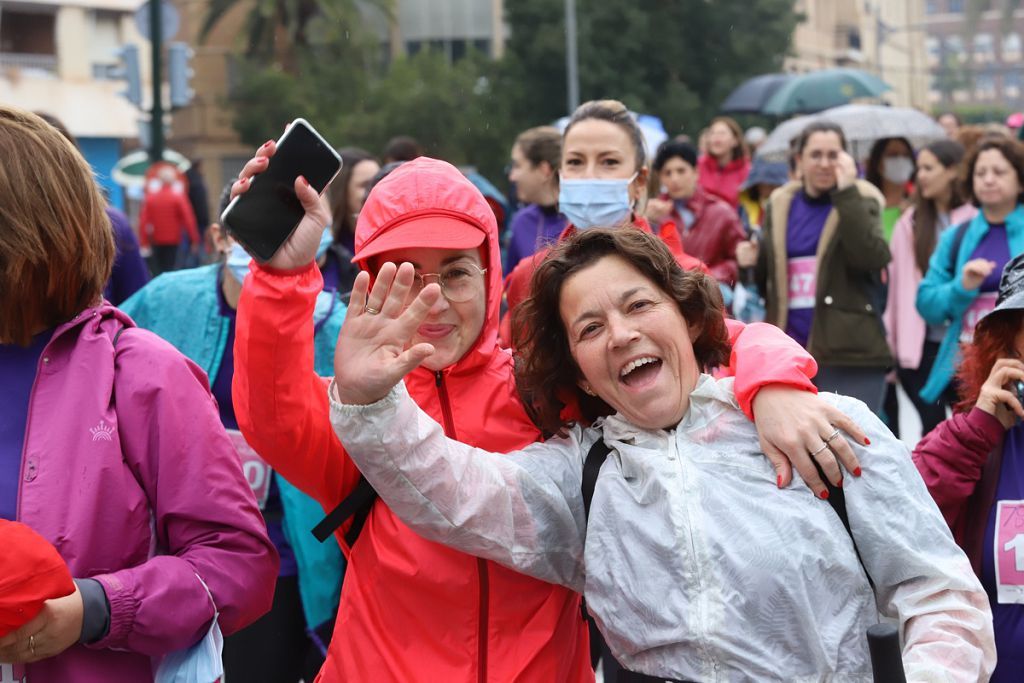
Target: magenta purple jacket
(127, 470)
(959, 461)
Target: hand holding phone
(276, 212)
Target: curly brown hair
(547, 374)
(1011, 150)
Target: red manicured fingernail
(840, 484)
(778, 481)
(867, 441)
(856, 471)
(266, 144)
(824, 494)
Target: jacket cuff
(95, 610)
(123, 608)
(987, 424)
(255, 267)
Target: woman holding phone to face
(410, 608)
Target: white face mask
(897, 169)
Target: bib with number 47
(1009, 551)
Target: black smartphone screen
(265, 216)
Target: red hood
(428, 187)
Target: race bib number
(13, 673)
(257, 472)
(802, 281)
(981, 307)
(1009, 552)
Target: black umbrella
(751, 95)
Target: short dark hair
(671, 149)
(1009, 148)
(873, 170)
(402, 148)
(547, 372)
(818, 127)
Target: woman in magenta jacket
(111, 447)
(973, 464)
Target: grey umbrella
(751, 95)
(862, 124)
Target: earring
(588, 390)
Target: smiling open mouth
(640, 371)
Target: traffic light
(179, 73)
(128, 69)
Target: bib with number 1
(12, 673)
(1009, 551)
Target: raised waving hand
(373, 352)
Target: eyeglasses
(459, 282)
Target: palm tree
(275, 29)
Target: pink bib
(802, 278)
(1009, 552)
(256, 471)
(981, 307)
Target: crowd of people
(585, 438)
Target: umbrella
(31, 572)
(818, 90)
(130, 170)
(862, 124)
(751, 95)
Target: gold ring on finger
(32, 645)
(371, 310)
(823, 447)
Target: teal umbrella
(818, 90)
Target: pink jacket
(904, 326)
(127, 470)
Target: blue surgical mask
(325, 241)
(238, 262)
(201, 663)
(593, 203)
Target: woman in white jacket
(694, 566)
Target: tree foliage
(677, 59)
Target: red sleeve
(143, 224)
(280, 402)
(951, 457)
(762, 354)
(188, 217)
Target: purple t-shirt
(994, 246)
(532, 227)
(18, 366)
(807, 216)
(221, 390)
(1008, 619)
(130, 272)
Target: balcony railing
(13, 60)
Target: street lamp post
(571, 58)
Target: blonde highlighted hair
(56, 243)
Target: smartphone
(265, 216)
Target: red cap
(31, 572)
(430, 231)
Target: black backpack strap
(591, 467)
(356, 505)
(837, 499)
(958, 239)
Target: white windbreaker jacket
(694, 564)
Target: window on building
(934, 47)
(1012, 85)
(955, 47)
(28, 33)
(985, 87)
(1011, 47)
(932, 7)
(956, 6)
(984, 48)
(103, 42)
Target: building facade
(58, 58)
(975, 53)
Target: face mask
(238, 262)
(201, 663)
(592, 203)
(325, 241)
(897, 169)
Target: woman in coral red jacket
(412, 609)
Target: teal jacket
(183, 308)
(942, 299)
